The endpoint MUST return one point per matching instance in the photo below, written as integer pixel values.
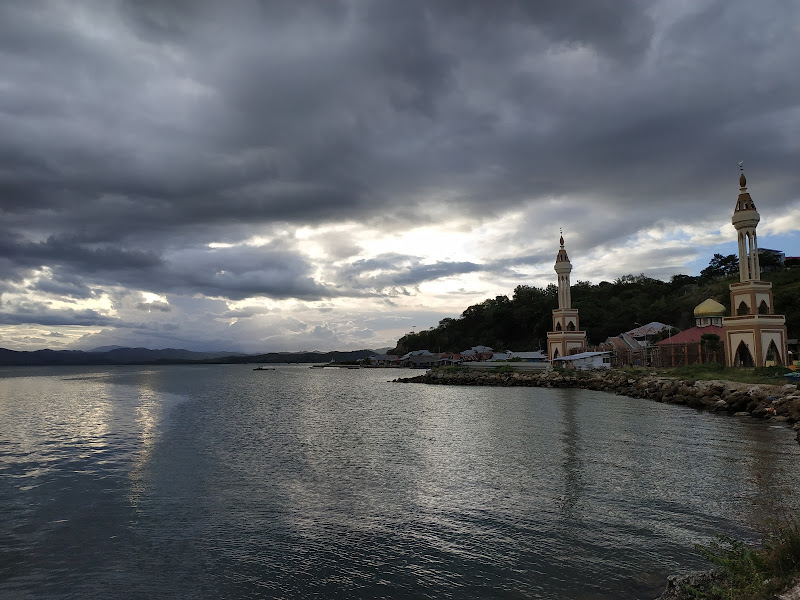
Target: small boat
(264, 369)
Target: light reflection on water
(215, 481)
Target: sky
(332, 174)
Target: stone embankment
(778, 403)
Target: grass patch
(750, 573)
(762, 375)
(452, 369)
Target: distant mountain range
(115, 355)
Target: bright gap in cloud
(150, 297)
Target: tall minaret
(566, 337)
(563, 268)
(745, 219)
(754, 334)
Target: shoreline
(778, 403)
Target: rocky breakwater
(778, 403)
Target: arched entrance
(743, 358)
(773, 355)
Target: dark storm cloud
(156, 305)
(65, 288)
(43, 315)
(234, 273)
(136, 132)
(69, 249)
(393, 271)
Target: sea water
(221, 482)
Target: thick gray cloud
(135, 134)
(42, 315)
(395, 271)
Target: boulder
(677, 585)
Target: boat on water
(264, 369)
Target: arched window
(555, 353)
(743, 309)
(558, 326)
(763, 309)
(570, 326)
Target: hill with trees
(606, 309)
(168, 356)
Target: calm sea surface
(221, 482)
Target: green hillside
(607, 308)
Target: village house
(688, 347)
(584, 361)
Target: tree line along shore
(522, 321)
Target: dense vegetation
(606, 309)
(748, 573)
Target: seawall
(778, 403)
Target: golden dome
(709, 308)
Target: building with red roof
(686, 347)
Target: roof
(651, 328)
(744, 202)
(583, 355)
(624, 341)
(423, 358)
(710, 308)
(692, 336)
(537, 354)
(476, 350)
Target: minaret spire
(745, 219)
(563, 267)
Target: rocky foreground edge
(776, 403)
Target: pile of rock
(779, 403)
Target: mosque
(753, 336)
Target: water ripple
(186, 482)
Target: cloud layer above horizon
(284, 175)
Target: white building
(537, 356)
(584, 361)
